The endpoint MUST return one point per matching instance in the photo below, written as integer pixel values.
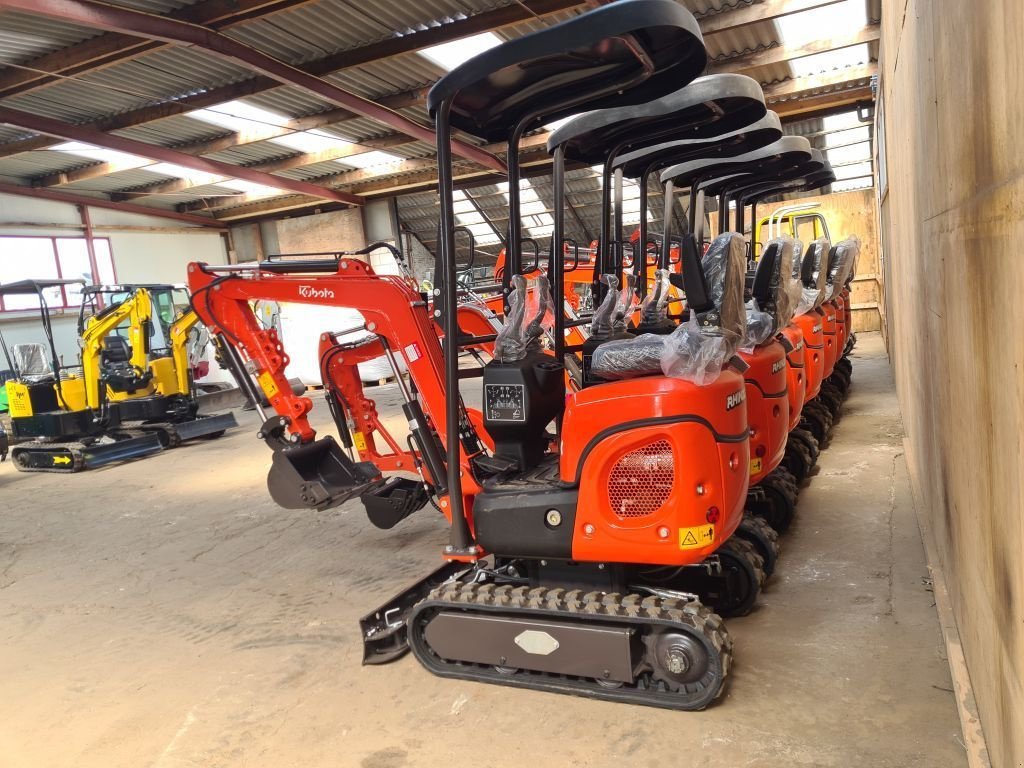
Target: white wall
(139, 256)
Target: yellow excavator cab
(800, 221)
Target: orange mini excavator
(569, 540)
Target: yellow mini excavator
(134, 341)
(53, 426)
(130, 395)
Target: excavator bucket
(317, 475)
(101, 454)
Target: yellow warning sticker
(755, 466)
(267, 384)
(699, 536)
(360, 441)
(61, 460)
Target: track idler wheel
(764, 539)
(735, 591)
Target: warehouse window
(52, 258)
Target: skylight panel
(853, 171)
(100, 154)
(250, 187)
(238, 116)
(805, 27)
(310, 141)
(450, 55)
(370, 159)
(467, 216)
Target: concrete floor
(167, 614)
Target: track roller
(774, 499)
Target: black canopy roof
(708, 107)
(627, 52)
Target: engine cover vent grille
(641, 481)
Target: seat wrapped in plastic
(840, 264)
(787, 291)
(699, 348)
(813, 273)
(30, 361)
(510, 342)
(628, 358)
(856, 257)
(760, 327)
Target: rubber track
(77, 459)
(559, 603)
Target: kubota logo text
(309, 292)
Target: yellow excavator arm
(137, 310)
(180, 330)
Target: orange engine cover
(829, 331)
(767, 408)
(811, 327)
(796, 382)
(661, 466)
(841, 328)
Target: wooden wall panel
(953, 225)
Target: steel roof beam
(123, 20)
(46, 125)
(106, 50)
(97, 202)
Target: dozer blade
(384, 630)
(101, 454)
(205, 426)
(317, 475)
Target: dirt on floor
(167, 614)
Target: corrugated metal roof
(301, 34)
(312, 31)
(153, 6)
(24, 36)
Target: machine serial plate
(505, 402)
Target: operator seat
(723, 270)
(116, 369)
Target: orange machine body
(811, 326)
(796, 380)
(661, 465)
(767, 407)
(842, 330)
(828, 326)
